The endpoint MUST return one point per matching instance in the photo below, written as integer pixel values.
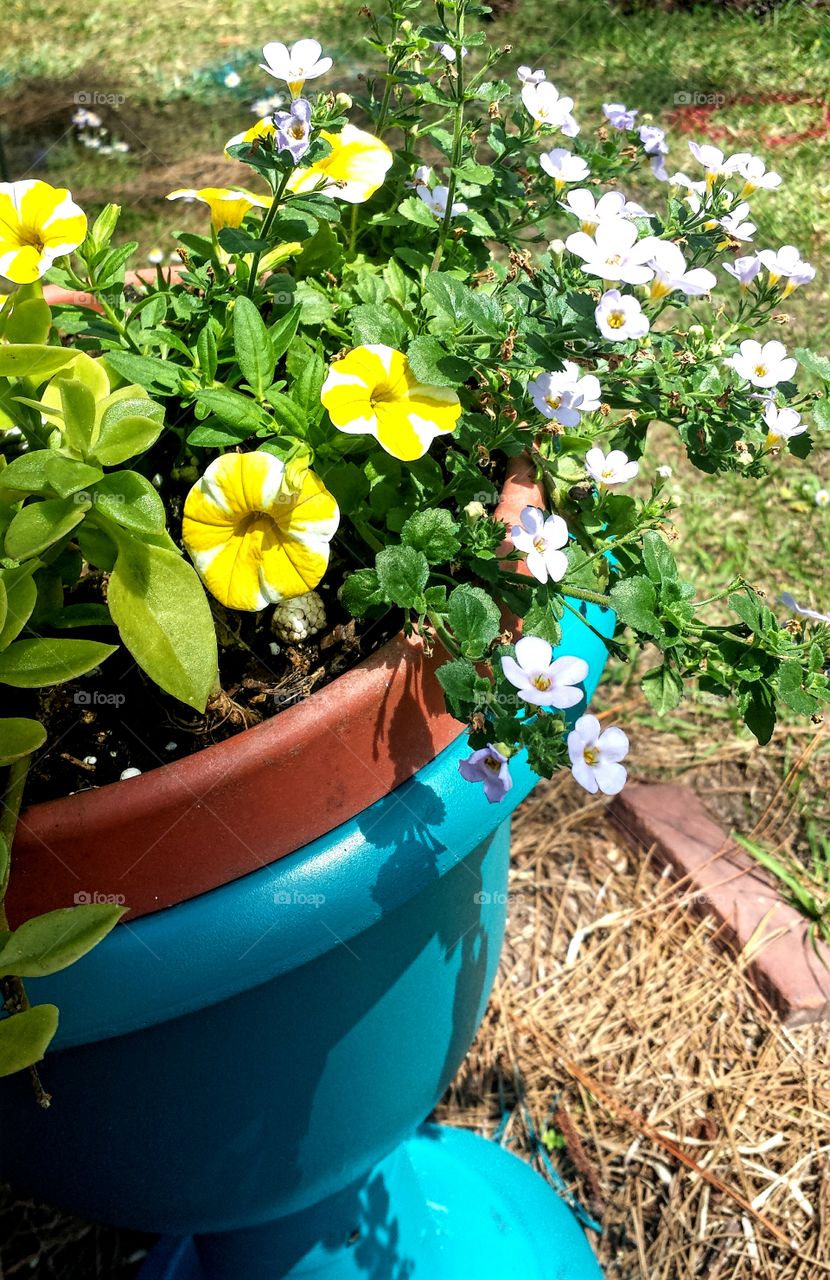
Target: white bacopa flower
(596, 754)
(447, 51)
(671, 273)
(782, 425)
(591, 212)
(528, 76)
(232, 80)
(615, 468)
(754, 173)
(763, 366)
(436, 201)
(619, 116)
(744, 269)
(541, 679)
(564, 396)
(295, 65)
(614, 253)
(787, 261)
(155, 256)
(658, 168)
(564, 167)
(546, 107)
(653, 140)
(267, 106)
(735, 224)
(822, 498)
(789, 601)
(541, 538)
(713, 160)
(619, 317)
(421, 177)
(665, 472)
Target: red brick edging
(723, 881)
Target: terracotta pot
(200, 822)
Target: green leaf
(79, 615)
(288, 414)
(232, 407)
(148, 371)
(376, 323)
(434, 532)
(30, 322)
(53, 941)
(42, 471)
(131, 501)
(663, 688)
(474, 619)
(282, 333)
(78, 404)
(21, 596)
(252, 343)
(206, 351)
(41, 524)
(541, 621)
(19, 737)
(659, 562)
(634, 601)
(129, 427)
(361, 592)
(758, 710)
(414, 209)
(31, 360)
(235, 240)
(402, 575)
(791, 690)
(466, 306)
(307, 385)
(25, 1036)
(31, 664)
(157, 602)
(458, 680)
(212, 436)
(813, 363)
(432, 364)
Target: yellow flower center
(760, 370)
(554, 401)
(615, 260)
(608, 474)
(616, 319)
(589, 227)
(590, 755)
(492, 763)
(540, 545)
(384, 393)
(542, 683)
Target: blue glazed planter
(249, 1068)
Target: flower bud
(557, 248)
(344, 100)
(475, 511)
(696, 330)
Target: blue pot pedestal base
(446, 1205)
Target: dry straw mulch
(694, 1127)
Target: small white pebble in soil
(274, 647)
(298, 619)
(90, 759)
(170, 746)
(129, 773)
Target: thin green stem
(457, 136)
(267, 224)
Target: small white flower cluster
(92, 133)
(300, 618)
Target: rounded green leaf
(131, 501)
(30, 664)
(41, 524)
(25, 1036)
(32, 360)
(19, 737)
(51, 942)
(124, 438)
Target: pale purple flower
(596, 755)
(436, 200)
(541, 679)
(790, 602)
(564, 167)
(421, 177)
(744, 269)
(653, 140)
(541, 538)
(528, 76)
(735, 224)
(294, 128)
(619, 115)
(591, 212)
(671, 273)
(564, 395)
(787, 261)
(619, 316)
(490, 767)
(543, 102)
(754, 173)
(447, 51)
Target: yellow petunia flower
(38, 224)
(264, 128)
(353, 170)
(228, 206)
(373, 391)
(255, 536)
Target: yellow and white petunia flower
(353, 170)
(255, 535)
(38, 223)
(264, 128)
(227, 205)
(373, 391)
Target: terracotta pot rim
(196, 823)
